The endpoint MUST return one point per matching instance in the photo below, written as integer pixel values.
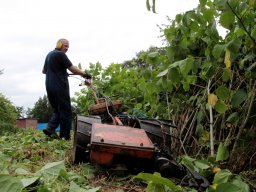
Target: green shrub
(8, 115)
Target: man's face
(65, 46)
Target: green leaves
(238, 98)
(29, 181)
(221, 107)
(218, 50)
(228, 187)
(186, 66)
(76, 188)
(233, 118)
(222, 153)
(174, 75)
(224, 181)
(52, 168)
(10, 184)
(163, 73)
(223, 92)
(227, 19)
(178, 72)
(222, 176)
(157, 183)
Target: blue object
(41, 126)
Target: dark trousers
(62, 113)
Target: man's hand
(87, 76)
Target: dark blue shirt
(55, 68)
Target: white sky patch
(102, 31)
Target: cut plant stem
(211, 122)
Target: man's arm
(76, 70)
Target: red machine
(123, 143)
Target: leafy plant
(203, 81)
(157, 183)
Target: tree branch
(240, 20)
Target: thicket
(202, 81)
(8, 114)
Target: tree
(8, 115)
(8, 112)
(42, 110)
(20, 112)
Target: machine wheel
(82, 137)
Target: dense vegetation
(203, 81)
(29, 161)
(8, 114)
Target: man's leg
(65, 124)
(55, 116)
(65, 117)
(52, 125)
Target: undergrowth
(30, 161)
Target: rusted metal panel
(122, 140)
(82, 136)
(120, 135)
(101, 158)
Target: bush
(8, 115)
(7, 127)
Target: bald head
(62, 45)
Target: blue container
(41, 126)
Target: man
(57, 88)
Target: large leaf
(221, 107)
(234, 46)
(222, 176)
(152, 187)
(147, 73)
(227, 19)
(157, 179)
(222, 153)
(52, 168)
(10, 184)
(186, 66)
(153, 54)
(200, 115)
(21, 171)
(76, 188)
(244, 187)
(202, 164)
(218, 50)
(226, 75)
(227, 187)
(208, 15)
(202, 2)
(163, 73)
(239, 97)
(223, 92)
(29, 181)
(233, 118)
(174, 75)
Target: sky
(105, 31)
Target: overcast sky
(105, 31)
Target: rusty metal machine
(123, 143)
